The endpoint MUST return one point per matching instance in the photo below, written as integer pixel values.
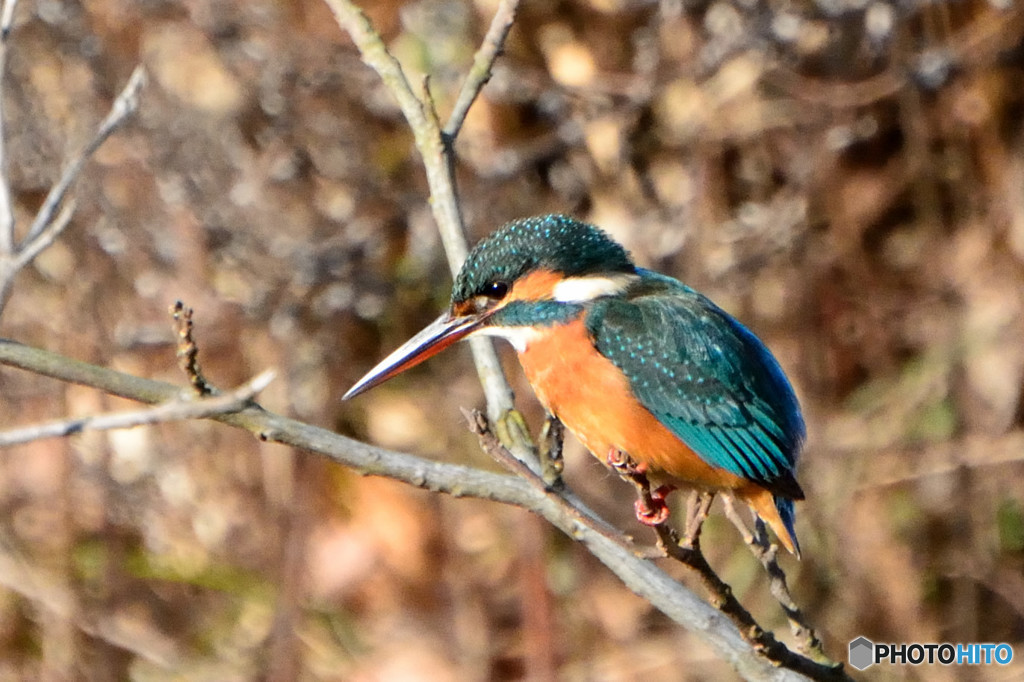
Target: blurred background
(845, 176)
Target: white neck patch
(583, 289)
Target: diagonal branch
(640, 575)
(44, 239)
(177, 409)
(55, 214)
(126, 104)
(569, 503)
(687, 551)
(766, 553)
(439, 164)
(483, 62)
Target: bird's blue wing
(706, 377)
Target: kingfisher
(631, 362)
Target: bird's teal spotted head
(556, 244)
(529, 274)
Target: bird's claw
(549, 449)
(652, 510)
(650, 506)
(651, 514)
(624, 464)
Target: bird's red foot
(653, 511)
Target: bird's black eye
(495, 290)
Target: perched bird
(630, 361)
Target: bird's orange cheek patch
(535, 286)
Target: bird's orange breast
(592, 397)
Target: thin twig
(572, 506)
(6, 205)
(47, 237)
(126, 104)
(724, 600)
(483, 62)
(697, 508)
(687, 551)
(55, 214)
(188, 351)
(767, 554)
(174, 410)
(643, 577)
(439, 164)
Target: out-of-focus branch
(178, 409)
(483, 62)
(639, 574)
(36, 584)
(6, 207)
(54, 215)
(435, 151)
(991, 35)
(126, 104)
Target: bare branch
(697, 508)
(47, 237)
(571, 505)
(54, 215)
(767, 554)
(439, 164)
(126, 104)
(640, 575)
(6, 206)
(687, 551)
(483, 62)
(175, 410)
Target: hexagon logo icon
(862, 653)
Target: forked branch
(435, 150)
(55, 213)
(687, 551)
(638, 574)
(435, 146)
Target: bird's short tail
(787, 514)
(776, 511)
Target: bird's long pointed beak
(434, 338)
